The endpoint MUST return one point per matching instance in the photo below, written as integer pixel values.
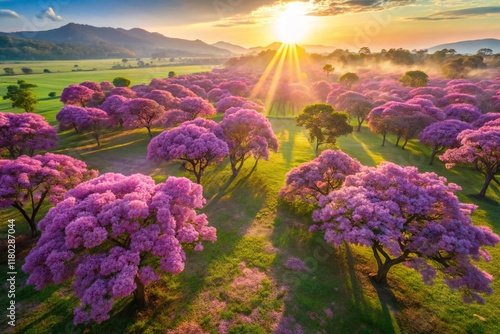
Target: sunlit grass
(254, 229)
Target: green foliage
(9, 70)
(461, 66)
(324, 123)
(12, 91)
(414, 79)
(121, 82)
(25, 85)
(328, 68)
(46, 70)
(27, 70)
(171, 74)
(348, 79)
(52, 94)
(25, 100)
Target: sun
(291, 24)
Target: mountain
(236, 49)
(310, 48)
(22, 49)
(139, 41)
(273, 46)
(469, 47)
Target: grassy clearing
(240, 282)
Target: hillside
(469, 47)
(135, 41)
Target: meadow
(241, 280)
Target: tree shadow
(333, 296)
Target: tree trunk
(404, 145)
(397, 141)
(198, 177)
(317, 147)
(76, 129)
(486, 184)
(140, 297)
(359, 126)
(30, 220)
(383, 139)
(432, 157)
(149, 131)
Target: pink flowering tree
(141, 112)
(196, 147)
(94, 121)
(68, 117)
(196, 107)
(27, 183)
(412, 218)
(485, 118)
(248, 133)
(26, 133)
(123, 91)
(77, 95)
(217, 94)
(114, 235)
(311, 180)
(112, 106)
(163, 98)
(356, 105)
(442, 135)
(463, 112)
(229, 102)
(479, 149)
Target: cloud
(234, 23)
(338, 7)
(9, 13)
(49, 14)
(458, 14)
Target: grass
(240, 283)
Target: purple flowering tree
(163, 98)
(356, 105)
(311, 180)
(114, 235)
(412, 218)
(77, 95)
(68, 117)
(94, 121)
(196, 147)
(112, 106)
(26, 183)
(479, 149)
(196, 107)
(248, 133)
(442, 135)
(26, 133)
(463, 112)
(141, 112)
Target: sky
(347, 24)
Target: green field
(256, 235)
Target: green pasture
(256, 235)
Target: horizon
(349, 24)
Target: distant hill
(137, 41)
(236, 49)
(273, 46)
(469, 47)
(28, 49)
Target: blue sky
(342, 23)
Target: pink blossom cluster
(410, 217)
(248, 133)
(195, 144)
(311, 180)
(108, 231)
(26, 133)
